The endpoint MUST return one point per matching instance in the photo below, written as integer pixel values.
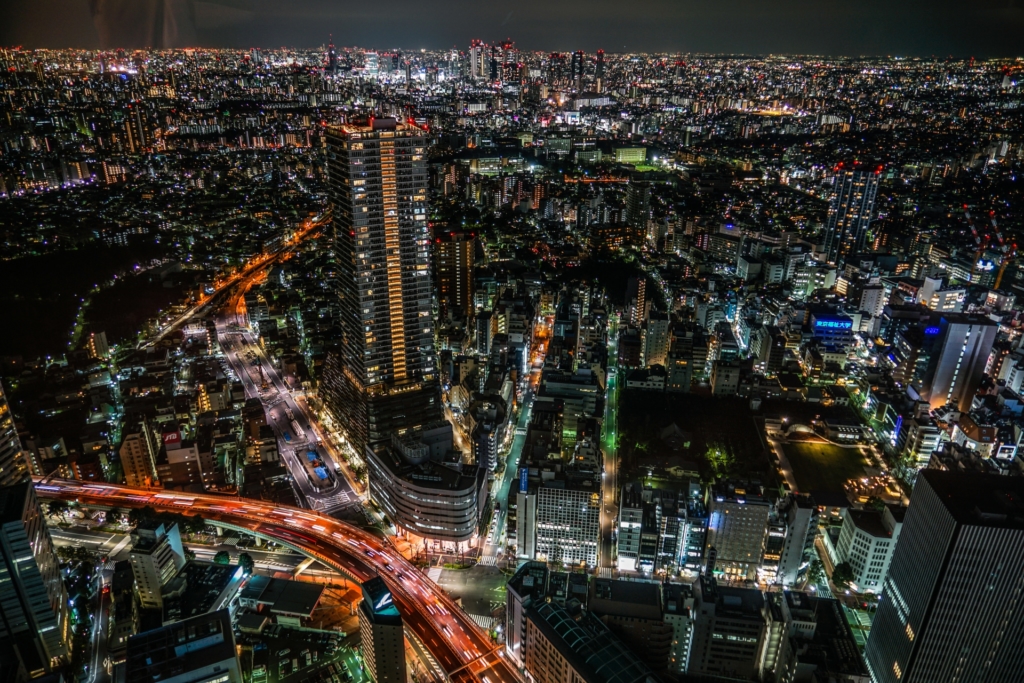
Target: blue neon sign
(834, 324)
(931, 330)
(524, 474)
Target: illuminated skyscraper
(577, 69)
(34, 626)
(13, 467)
(332, 58)
(952, 608)
(454, 265)
(383, 376)
(850, 212)
(371, 64)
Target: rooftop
(187, 645)
(589, 647)
(988, 500)
(12, 501)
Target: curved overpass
(452, 637)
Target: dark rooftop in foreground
(188, 645)
(590, 647)
(980, 499)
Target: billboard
(524, 483)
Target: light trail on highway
(452, 637)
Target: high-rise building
(383, 376)
(867, 541)
(381, 634)
(599, 70)
(13, 465)
(577, 69)
(453, 265)
(800, 515)
(200, 649)
(371, 64)
(138, 455)
(35, 629)
(956, 365)
(477, 60)
(638, 204)
(850, 212)
(558, 518)
(729, 631)
(332, 57)
(657, 338)
(737, 530)
(157, 556)
(953, 603)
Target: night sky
(962, 28)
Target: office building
(810, 640)
(454, 255)
(730, 629)
(657, 337)
(196, 650)
(952, 606)
(35, 629)
(381, 634)
(421, 484)
(866, 541)
(851, 210)
(489, 420)
(558, 514)
(800, 517)
(138, 455)
(632, 610)
(13, 464)
(737, 531)
(383, 376)
(677, 599)
(157, 556)
(959, 353)
(560, 648)
(371, 64)
(653, 529)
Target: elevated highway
(462, 649)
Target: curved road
(452, 637)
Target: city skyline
(612, 366)
(983, 29)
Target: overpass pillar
(303, 566)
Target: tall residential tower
(383, 377)
(850, 212)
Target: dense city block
(490, 365)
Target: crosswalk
(489, 560)
(332, 503)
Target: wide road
(282, 410)
(258, 262)
(455, 641)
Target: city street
(494, 544)
(610, 448)
(284, 413)
(453, 637)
